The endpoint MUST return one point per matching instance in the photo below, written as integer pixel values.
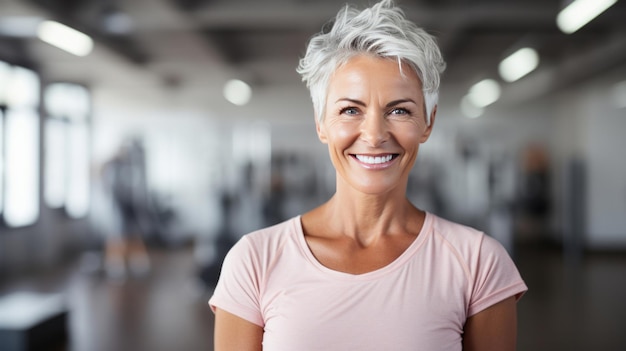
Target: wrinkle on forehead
(363, 76)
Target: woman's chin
(384, 187)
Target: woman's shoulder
(454, 231)
(468, 243)
(273, 231)
(269, 239)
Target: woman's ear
(429, 128)
(321, 133)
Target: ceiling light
(484, 93)
(65, 38)
(469, 109)
(237, 92)
(580, 12)
(518, 64)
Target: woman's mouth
(375, 160)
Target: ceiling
(261, 40)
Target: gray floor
(163, 311)
(574, 306)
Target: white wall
(588, 126)
(184, 145)
(606, 168)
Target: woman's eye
(349, 111)
(399, 111)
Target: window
(55, 162)
(22, 167)
(78, 194)
(4, 78)
(1, 158)
(67, 148)
(21, 137)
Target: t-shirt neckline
(398, 262)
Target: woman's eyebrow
(354, 101)
(391, 103)
(400, 101)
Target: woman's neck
(367, 217)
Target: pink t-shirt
(420, 301)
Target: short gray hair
(381, 30)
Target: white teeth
(374, 160)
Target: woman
(367, 270)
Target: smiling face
(374, 123)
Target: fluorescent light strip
(237, 92)
(65, 38)
(484, 93)
(580, 12)
(518, 64)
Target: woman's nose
(374, 129)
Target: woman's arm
(494, 329)
(235, 333)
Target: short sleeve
(238, 288)
(495, 277)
